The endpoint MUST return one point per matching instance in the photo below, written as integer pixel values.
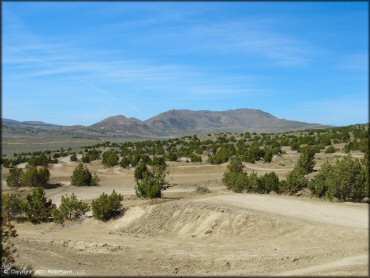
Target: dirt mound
(189, 220)
(92, 247)
(79, 246)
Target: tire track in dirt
(344, 262)
(341, 214)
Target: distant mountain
(25, 123)
(121, 124)
(170, 123)
(8, 121)
(187, 121)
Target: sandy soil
(341, 214)
(186, 233)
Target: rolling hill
(167, 124)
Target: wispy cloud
(253, 37)
(159, 56)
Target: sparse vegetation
(12, 205)
(36, 177)
(33, 177)
(270, 182)
(9, 253)
(296, 181)
(107, 206)
(306, 160)
(140, 171)
(73, 157)
(330, 149)
(346, 180)
(152, 183)
(110, 159)
(235, 179)
(82, 177)
(70, 209)
(15, 177)
(37, 207)
(202, 190)
(190, 180)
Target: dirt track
(341, 214)
(185, 233)
(353, 261)
(197, 237)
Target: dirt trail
(261, 168)
(342, 214)
(219, 233)
(202, 235)
(341, 263)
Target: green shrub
(37, 207)
(30, 177)
(283, 186)
(152, 184)
(73, 157)
(70, 208)
(93, 154)
(202, 190)
(56, 155)
(306, 160)
(346, 180)
(140, 171)
(253, 183)
(223, 154)
(195, 158)
(6, 162)
(319, 184)
(296, 181)
(159, 161)
(110, 159)
(255, 153)
(12, 205)
(330, 149)
(236, 182)
(270, 182)
(235, 179)
(268, 155)
(43, 176)
(36, 177)
(14, 179)
(134, 160)
(57, 216)
(125, 162)
(107, 206)
(85, 159)
(82, 176)
(172, 156)
(249, 157)
(41, 160)
(295, 146)
(144, 158)
(8, 250)
(95, 180)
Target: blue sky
(77, 63)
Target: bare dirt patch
(185, 233)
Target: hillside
(170, 123)
(187, 121)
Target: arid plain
(188, 233)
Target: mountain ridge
(169, 123)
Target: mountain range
(167, 124)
